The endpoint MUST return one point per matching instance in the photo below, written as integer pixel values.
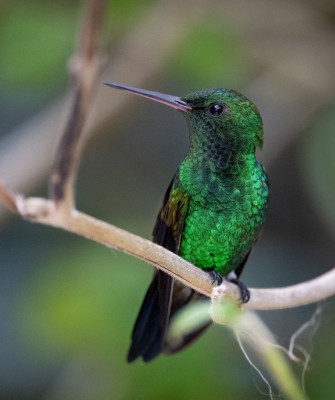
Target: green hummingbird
(213, 210)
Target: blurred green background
(67, 306)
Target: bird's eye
(216, 110)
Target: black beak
(171, 101)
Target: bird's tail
(147, 339)
(162, 300)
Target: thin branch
(85, 67)
(46, 212)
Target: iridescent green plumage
(225, 183)
(213, 210)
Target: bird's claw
(244, 291)
(216, 277)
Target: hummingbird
(212, 212)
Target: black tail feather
(152, 321)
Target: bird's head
(225, 113)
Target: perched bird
(213, 210)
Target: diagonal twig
(85, 67)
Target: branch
(46, 212)
(85, 67)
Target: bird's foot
(244, 291)
(216, 277)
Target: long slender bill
(171, 101)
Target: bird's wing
(152, 321)
(171, 219)
(239, 269)
(174, 295)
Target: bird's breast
(224, 219)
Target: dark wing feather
(152, 321)
(239, 269)
(162, 233)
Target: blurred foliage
(38, 37)
(208, 55)
(36, 40)
(318, 163)
(67, 306)
(120, 15)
